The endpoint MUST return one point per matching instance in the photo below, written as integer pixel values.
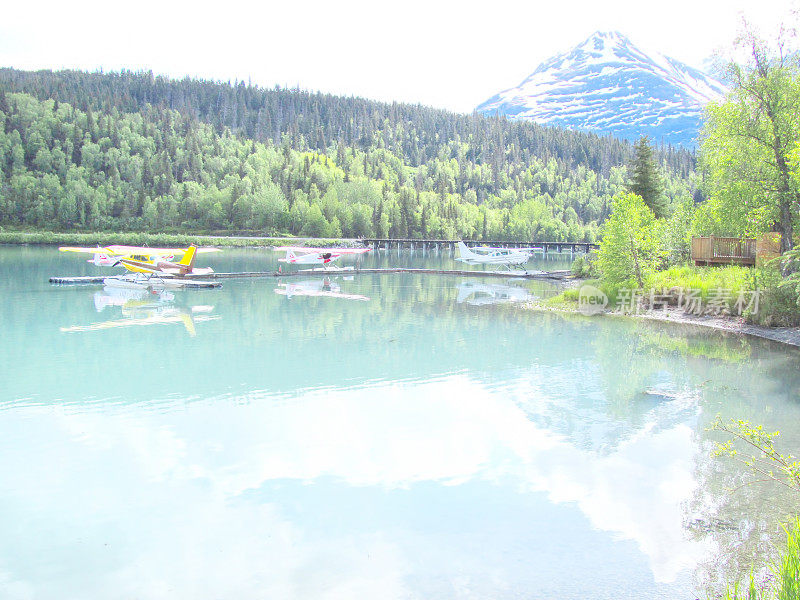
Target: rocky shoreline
(784, 335)
(674, 314)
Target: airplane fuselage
(491, 256)
(323, 258)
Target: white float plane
(483, 255)
(299, 255)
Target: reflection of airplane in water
(131, 298)
(490, 293)
(316, 287)
(144, 307)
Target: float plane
(140, 259)
(158, 265)
(299, 255)
(483, 255)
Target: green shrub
(571, 295)
(790, 265)
(733, 280)
(778, 303)
(585, 266)
(784, 583)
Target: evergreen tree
(645, 178)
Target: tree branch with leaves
(749, 139)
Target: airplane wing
(117, 250)
(151, 252)
(95, 250)
(302, 249)
(351, 250)
(135, 265)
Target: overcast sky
(451, 55)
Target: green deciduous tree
(747, 143)
(629, 249)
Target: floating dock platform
(92, 280)
(78, 280)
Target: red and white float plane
(299, 255)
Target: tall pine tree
(646, 180)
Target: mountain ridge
(606, 85)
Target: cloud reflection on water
(131, 488)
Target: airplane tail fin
(463, 251)
(188, 258)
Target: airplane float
(299, 255)
(483, 255)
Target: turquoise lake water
(366, 436)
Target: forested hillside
(133, 151)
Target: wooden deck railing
(723, 250)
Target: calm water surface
(392, 436)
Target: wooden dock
(553, 275)
(542, 248)
(723, 251)
(545, 275)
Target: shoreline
(49, 238)
(784, 335)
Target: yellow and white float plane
(140, 259)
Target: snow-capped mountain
(609, 86)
